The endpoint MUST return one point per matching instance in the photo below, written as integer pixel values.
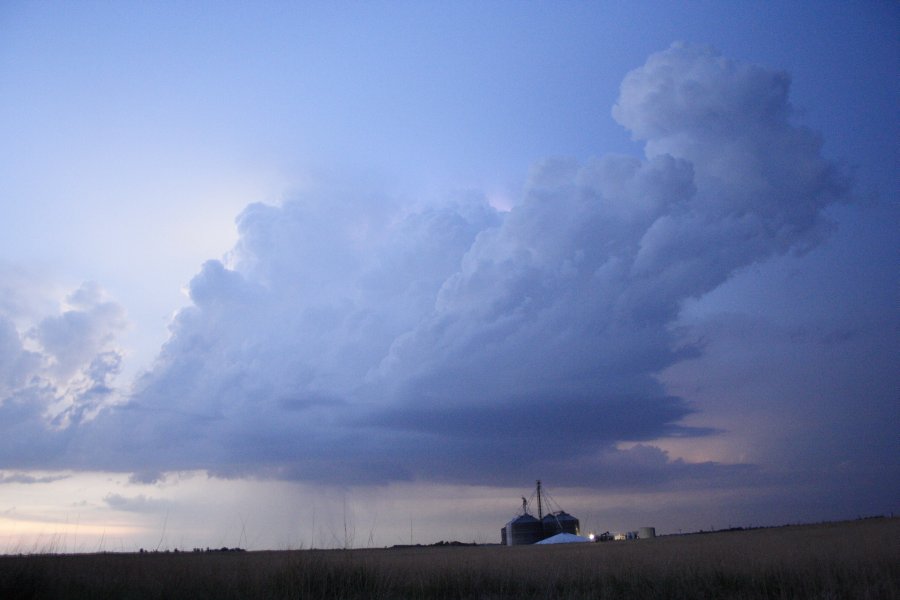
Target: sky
(292, 275)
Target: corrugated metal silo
(524, 529)
(560, 522)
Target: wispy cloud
(137, 504)
(27, 478)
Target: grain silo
(560, 522)
(524, 529)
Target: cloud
(29, 479)
(80, 333)
(17, 365)
(349, 339)
(137, 504)
(58, 373)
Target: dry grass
(859, 559)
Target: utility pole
(540, 510)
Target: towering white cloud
(351, 339)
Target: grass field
(857, 559)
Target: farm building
(525, 528)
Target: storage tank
(560, 522)
(646, 533)
(524, 529)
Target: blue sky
(402, 259)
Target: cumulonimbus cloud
(352, 340)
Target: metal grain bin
(560, 522)
(524, 529)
